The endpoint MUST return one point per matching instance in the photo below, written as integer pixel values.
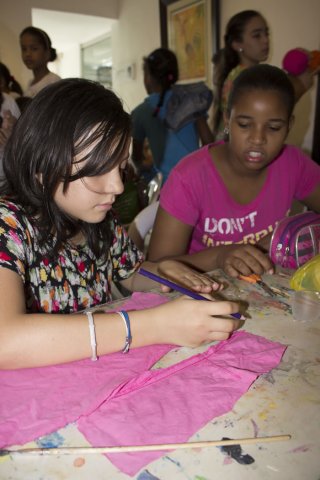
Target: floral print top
(75, 279)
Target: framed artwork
(191, 29)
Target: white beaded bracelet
(92, 332)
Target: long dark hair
(10, 81)
(43, 38)
(62, 121)
(263, 77)
(227, 58)
(162, 64)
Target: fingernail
(243, 317)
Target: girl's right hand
(237, 260)
(191, 323)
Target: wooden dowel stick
(142, 448)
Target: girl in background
(61, 246)
(246, 43)
(221, 203)
(36, 52)
(161, 72)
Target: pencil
(178, 288)
(142, 448)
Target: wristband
(92, 332)
(125, 317)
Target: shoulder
(143, 107)
(235, 72)
(294, 156)
(11, 215)
(51, 78)
(194, 165)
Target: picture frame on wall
(191, 29)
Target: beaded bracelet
(92, 332)
(125, 317)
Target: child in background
(161, 72)
(36, 52)
(8, 84)
(246, 43)
(221, 203)
(61, 246)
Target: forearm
(43, 339)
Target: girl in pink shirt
(221, 203)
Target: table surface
(285, 401)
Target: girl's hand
(191, 323)
(183, 275)
(238, 260)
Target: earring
(226, 131)
(240, 50)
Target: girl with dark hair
(8, 84)
(37, 51)
(246, 43)
(221, 203)
(61, 246)
(161, 72)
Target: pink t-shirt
(196, 195)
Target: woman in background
(36, 52)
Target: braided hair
(162, 65)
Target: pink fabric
(118, 401)
(38, 401)
(217, 219)
(169, 405)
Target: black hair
(43, 38)
(227, 58)
(263, 77)
(10, 81)
(162, 65)
(62, 121)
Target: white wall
(136, 34)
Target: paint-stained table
(285, 401)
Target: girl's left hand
(187, 277)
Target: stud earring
(240, 50)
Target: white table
(285, 401)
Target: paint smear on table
(50, 441)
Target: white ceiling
(69, 28)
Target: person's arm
(170, 239)
(33, 340)
(303, 82)
(204, 132)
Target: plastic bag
(307, 277)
